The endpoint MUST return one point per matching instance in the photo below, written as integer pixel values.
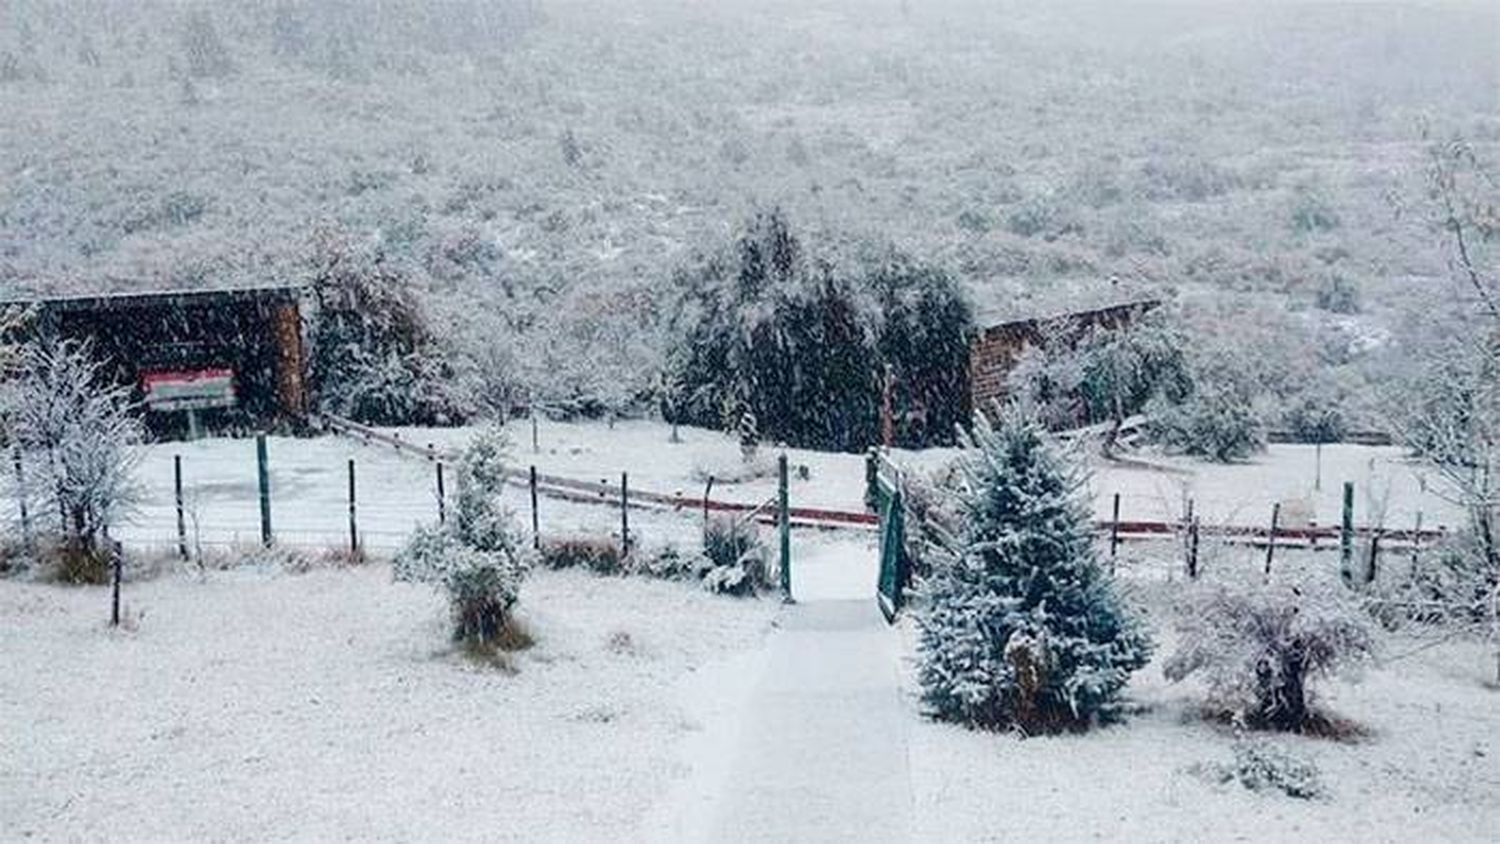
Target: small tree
(1020, 627)
(477, 556)
(78, 431)
(1260, 646)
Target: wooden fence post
(353, 516)
(442, 496)
(1374, 555)
(1416, 544)
(624, 514)
(263, 476)
(708, 489)
(1114, 534)
(182, 546)
(536, 531)
(784, 528)
(1271, 540)
(1346, 535)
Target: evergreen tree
(1020, 628)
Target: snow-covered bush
(738, 562)
(78, 439)
(477, 557)
(1259, 645)
(1263, 767)
(598, 555)
(1317, 416)
(1215, 420)
(1018, 626)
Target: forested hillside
(542, 168)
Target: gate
(883, 494)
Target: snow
(259, 704)
(1430, 771)
(255, 703)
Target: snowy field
(257, 704)
(310, 505)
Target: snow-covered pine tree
(1019, 627)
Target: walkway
(823, 752)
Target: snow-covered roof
(162, 297)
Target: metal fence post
(536, 530)
(263, 476)
(1346, 535)
(442, 496)
(182, 546)
(353, 515)
(784, 528)
(624, 513)
(1114, 534)
(1271, 540)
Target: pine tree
(1020, 628)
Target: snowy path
(823, 751)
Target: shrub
(1260, 646)
(475, 557)
(1018, 627)
(601, 556)
(482, 586)
(1214, 421)
(1262, 767)
(737, 560)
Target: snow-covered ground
(254, 702)
(259, 704)
(1428, 771)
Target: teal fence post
(1346, 535)
(784, 528)
(263, 475)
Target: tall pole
(784, 528)
(263, 476)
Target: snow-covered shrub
(598, 555)
(1263, 767)
(1215, 420)
(78, 439)
(1316, 416)
(738, 561)
(1018, 626)
(477, 557)
(668, 563)
(482, 586)
(1259, 646)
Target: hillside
(556, 161)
